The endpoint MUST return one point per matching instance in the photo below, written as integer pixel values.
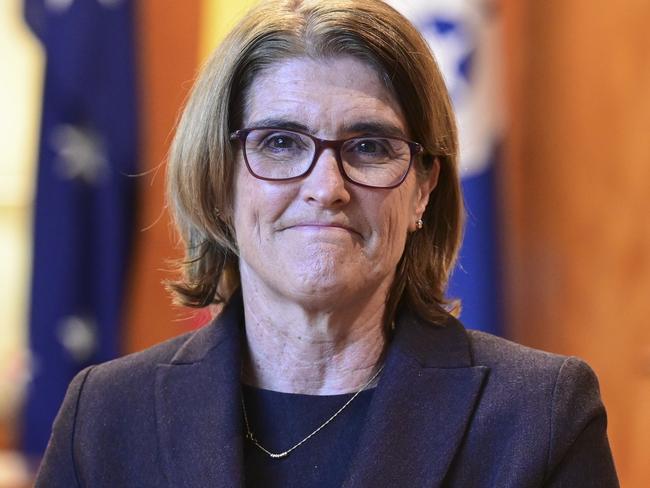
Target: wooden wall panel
(168, 35)
(578, 175)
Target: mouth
(324, 227)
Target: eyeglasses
(275, 154)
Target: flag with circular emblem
(464, 37)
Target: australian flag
(84, 205)
(464, 37)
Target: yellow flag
(217, 19)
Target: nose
(325, 185)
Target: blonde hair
(202, 157)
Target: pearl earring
(419, 224)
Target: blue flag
(464, 39)
(85, 192)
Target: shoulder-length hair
(202, 157)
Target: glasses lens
(278, 154)
(376, 161)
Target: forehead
(323, 95)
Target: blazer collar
(421, 408)
(416, 421)
(198, 406)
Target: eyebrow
(281, 123)
(375, 128)
(369, 127)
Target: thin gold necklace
(283, 454)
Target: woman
(313, 177)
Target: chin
(327, 291)
(313, 290)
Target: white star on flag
(78, 335)
(80, 153)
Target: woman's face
(320, 240)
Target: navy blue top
(280, 420)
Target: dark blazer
(453, 408)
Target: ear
(425, 185)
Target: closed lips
(321, 225)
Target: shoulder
(521, 365)
(532, 373)
(131, 378)
(497, 352)
(160, 353)
(138, 370)
(120, 388)
(556, 396)
(540, 413)
(142, 362)
(549, 401)
(547, 404)
(108, 409)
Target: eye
(274, 142)
(281, 141)
(369, 146)
(369, 150)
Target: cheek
(400, 209)
(246, 211)
(241, 202)
(391, 226)
(257, 204)
(395, 216)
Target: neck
(296, 350)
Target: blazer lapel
(420, 410)
(198, 409)
(416, 422)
